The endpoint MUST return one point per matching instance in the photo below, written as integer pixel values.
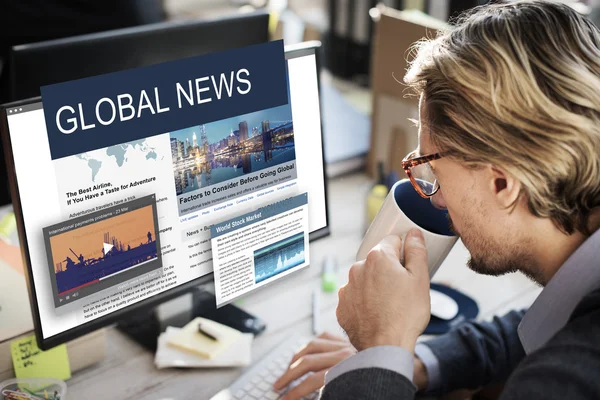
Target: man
(510, 109)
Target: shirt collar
(550, 312)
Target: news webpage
(113, 225)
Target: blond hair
(518, 85)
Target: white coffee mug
(403, 210)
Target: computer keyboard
(257, 382)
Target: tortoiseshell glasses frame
(410, 161)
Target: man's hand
(318, 356)
(385, 303)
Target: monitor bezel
(299, 50)
(23, 52)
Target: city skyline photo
(215, 131)
(204, 155)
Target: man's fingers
(319, 345)
(312, 383)
(311, 363)
(305, 364)
(415, 253)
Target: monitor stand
(146, 325)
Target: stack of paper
(185, 347)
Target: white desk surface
(128, 370)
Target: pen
(316, 308)
(206, 331)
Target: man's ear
(505, 187)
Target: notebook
(239, 354)
(189, 339)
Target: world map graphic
(118, 154)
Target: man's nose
(438, 200)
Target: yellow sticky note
(31, 362)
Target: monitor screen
(97, 250)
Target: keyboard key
(259, 383)
(272, 395)
(264, 372)
(276, 373)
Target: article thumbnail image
(87, 255)
(208, 154)
(278, 257)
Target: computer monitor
(34, 65)
(39, 186)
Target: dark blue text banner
(105, 110)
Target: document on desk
(239, 354)
(190, 339)
(259, 247)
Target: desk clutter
(33, 389)
(203, 343)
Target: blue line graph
(278, 257)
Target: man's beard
(490, 262)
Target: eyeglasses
(420, 173)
